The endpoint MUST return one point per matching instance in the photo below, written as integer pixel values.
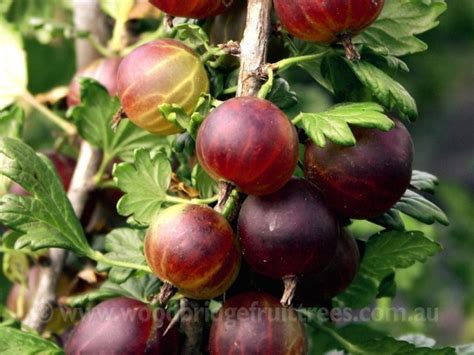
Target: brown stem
(166, 292)
(290, 283)
(351, 51)
(253, 48)
(87, 17)
(192, 324)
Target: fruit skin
(365, 180)
(193, 248)
(314, 290)
(288, 233)
(159, 72)
(192, 8)
(249, 142)
(103, 70)
(255, 323)
(125, 326)
(324, 21)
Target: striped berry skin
(192, 8)
(103, 70)
(255, 323)
(367, 179)
(249, 142)
(324, 21)
(162, 71)
(193, 248)
(123, 326)
(288, 233)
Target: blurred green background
(441, 81)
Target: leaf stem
(94, 42)
(297, 119)
(351, 348)
(284, 64)
(267, 87)
(99, 257)
(66, 126)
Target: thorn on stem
(119, 115)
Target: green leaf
(14, 341)
(418, 207)
(385, 90)
(282, 95)
(418, 340)
(206, 185)
(141, 288)
(314, 68)
(46, 218)
(145, 183)
(360, 339)
(123, 244)
(334, 123)
(13, 73)
(11, 125)
(191, 33)
(93, 118)
(423, 181)
(390, 220)
(398, 24)
(384, 253)
(388, 287)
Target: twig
(88, 17)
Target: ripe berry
(365, 180)
(103, 70)
(326, 21)
(249, 142)
(316, 289)
(162, 71)
(255, 323)
(192, 8)
(289, 233)
(123, 326)
(193, 248)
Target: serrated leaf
(123, 244)
(14, 341)
(385, 90)
(93, 118)
(398, 24)
(390, 220)
(418, 207)
(384, 253)
(423, 181)
(45, 218)
(11, 125)
(334, 123)
(418, 340)
(282, 95)
(360, 339)
(141, 288)
(13, 73)
(206, 185)
(192, 33)
(388, 287)
(145, 183)
(314, 68)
